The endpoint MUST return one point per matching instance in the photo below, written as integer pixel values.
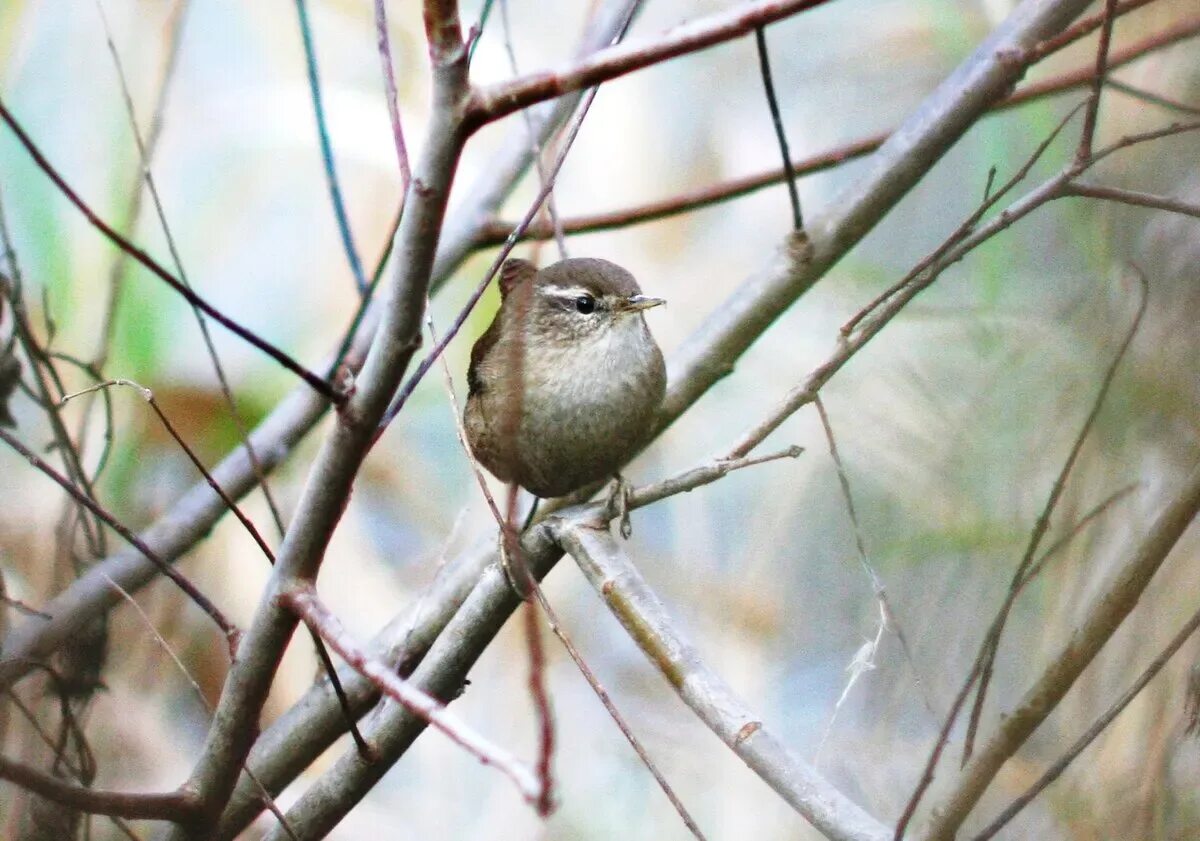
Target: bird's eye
(585, 304)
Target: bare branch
(331, 178)
(630, 599)
(173, 806)
(202, 601)
(304, 602)
(500, 100)
(383, 43)
(1132, 197)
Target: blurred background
(952, 424)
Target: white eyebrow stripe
(571, 292)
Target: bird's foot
(513, 564)
(617, 504)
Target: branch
(315, 382)
(1102, 619)
(303, 601)
(1115, 194)
(172, 806)
(497, 231)
(202, 601)
(631, 600)
(508, 97)
(331, 178)
(235, 722)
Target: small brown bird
(566, 381)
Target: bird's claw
(618, 505)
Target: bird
(565, 383)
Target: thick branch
(328, 487)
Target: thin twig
(383, 43)
(331, 178)
(148, 395)
(1153, 98)
(1088, 134)
(227, 628)
(992, 643)
(315, 382)
(764, 66)
(1055, 770)
(1133, 197)
(146, 151)
(550, 205)
(303, 601)
(887, 614)
(1083, 522)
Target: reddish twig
(508, 97)
(383, 43)
(497, 231)
(302, 600)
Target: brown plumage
(565, 382)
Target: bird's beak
(634, 303)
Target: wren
(565, 383)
